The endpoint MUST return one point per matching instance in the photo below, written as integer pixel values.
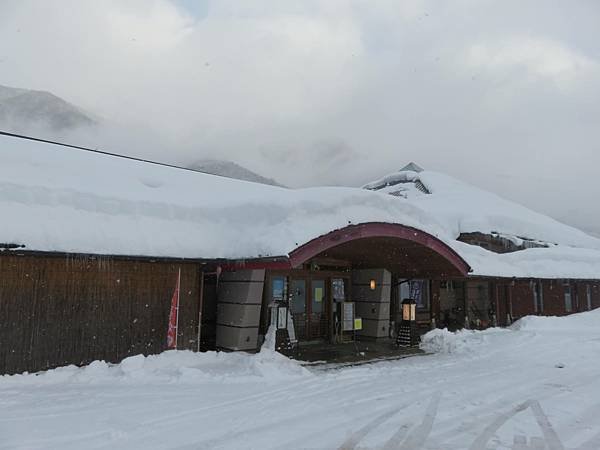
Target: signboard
(278, 284)
(348, 316)
(318, 294)
(339, 289)
(282, 314)
(358, 323)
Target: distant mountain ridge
(231, 170)
(22, 110)
(28, 111)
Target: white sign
(282, 314)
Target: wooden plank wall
(64, 310)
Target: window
(568, 298)
(278, 289)
(418, 290)
(318, 296)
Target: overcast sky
(503, 94)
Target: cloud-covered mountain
(29, 112)
(23, 110)
(231, 170)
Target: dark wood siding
(73, 310)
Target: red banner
(174, 316)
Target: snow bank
(581, 322)
(462, 341)
(173, 367)
(470, 341)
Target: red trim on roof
(376, 229)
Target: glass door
(318, 326)
(298, 308)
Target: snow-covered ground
(534, 386)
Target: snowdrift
(473, 341)
(173, 367)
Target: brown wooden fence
(73, 310)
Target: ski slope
(534, 386)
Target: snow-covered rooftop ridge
(64, 200)
(405, 176)
(463, 208)
(57, 199)
(413, 167)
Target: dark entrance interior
(310, 298)
(310, 306)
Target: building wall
(595, 295)
(478, 302)
(516, 298)
(553, 303)
(63, 310)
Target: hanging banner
(174, 316)
(416, 292)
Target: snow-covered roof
(64, 200)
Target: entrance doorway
(309, 304)
(312, 297)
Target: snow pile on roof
(463, 208)
(63, 200)
(57, 199)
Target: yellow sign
(358, 324)
(318, 294)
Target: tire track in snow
(517, 393)
(417, 438)
(551, 438)
(354, 439)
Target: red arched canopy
(405, 250)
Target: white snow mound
(462, 341)
(471, 341)
(173, 367)
(581, 322)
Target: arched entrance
(361, 272)
(401, 248)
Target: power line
(101, 152)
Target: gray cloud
(505, 95)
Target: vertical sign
(174, 315)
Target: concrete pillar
(372, 305)
(239, 300)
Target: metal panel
(376, 329)
(381, 276)
(232, 338)
(241, 292)
(238, 315)
(365, 294)
(376, 311)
